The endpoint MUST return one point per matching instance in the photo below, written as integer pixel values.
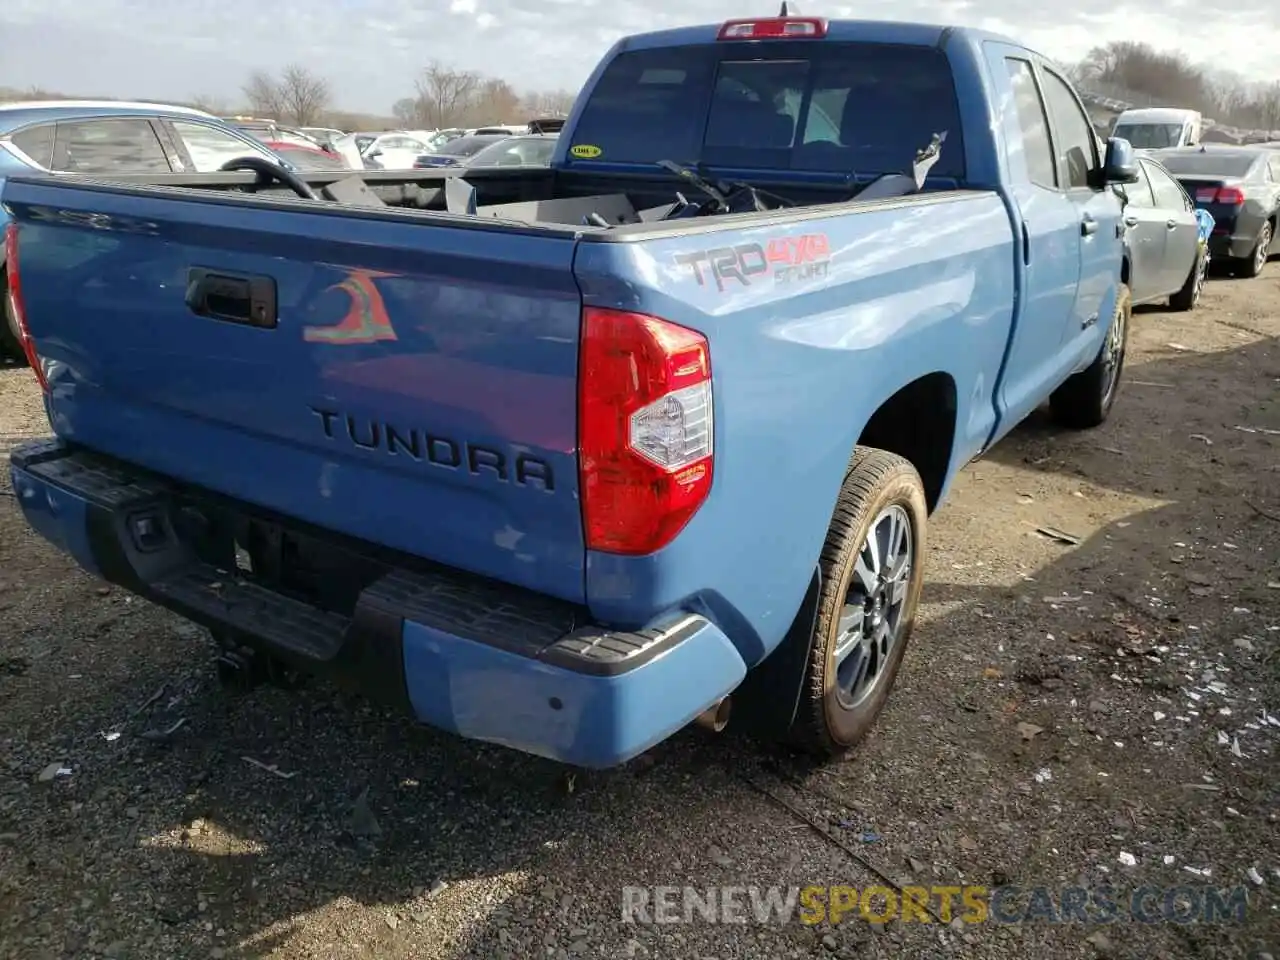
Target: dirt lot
(1063, 708)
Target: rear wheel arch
(918, 423)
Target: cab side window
(1077, 147)
(1033, 122)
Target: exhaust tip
(716, 717)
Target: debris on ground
(361, 822)
(1029, 731)
(1061, 536)
(269, 767)
(54, 771)
(159, 735)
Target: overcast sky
(371, 49)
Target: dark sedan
(1240, 188)
(457, 152)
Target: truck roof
(1158, 114)
(873, 31)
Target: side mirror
(374, 154)
(1121, 165)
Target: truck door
(1046, 227)
(1098, 215)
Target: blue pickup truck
(569, 459)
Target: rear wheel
(1086, 399)
(10, 341)
(872, 573)
(1252, 265)
(1188, 298)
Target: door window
(1074, 137)
(36, 142)
(1033, 122)
(210, 147)
(109, 146)
(1168, 193)
(1139, 194)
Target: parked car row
(491, 150)
(531, 144)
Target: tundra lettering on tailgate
(422, 446)
(788, 259)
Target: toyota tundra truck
(569, 459)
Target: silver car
(1166, 257)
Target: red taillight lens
(15, 303)
(1230, 196)
(645, 429)
(774, 28)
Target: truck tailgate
(406, 382)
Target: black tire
(1188, 298)
(1085, 400)
(1251, 266)
(10, 342)
(878, 484)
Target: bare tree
(263, 93)
(297, 96)
(304, 96)
(209, 104)
(495, 102)
(445, 94)
(405, 111)
(550, 103)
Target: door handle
(1171, 224)
(232, 297)
(1131, 220)
(1088, 226)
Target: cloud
(371, 50)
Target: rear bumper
(483, 660)
(1226, 247)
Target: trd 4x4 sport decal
(787, 260)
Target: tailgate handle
(232, 297)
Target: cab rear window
(838, 107)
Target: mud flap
(765, 703)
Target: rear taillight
(1228, 196)
(773, 28)
(18, 311)
(645, 429)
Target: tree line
(1140, 74)
(443, 97)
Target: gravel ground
(1061, 715)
